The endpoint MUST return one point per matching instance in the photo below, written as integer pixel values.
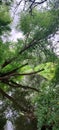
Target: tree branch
(13, 71)
(33, 4)
(8, 75)
(40, 2)
(16, 85)
(33, 42)
(18, 4)
(31, 73)
(13, 100)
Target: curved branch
(33, 4)
(38, 3)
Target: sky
(17, 34)
(56, 43)
(8, 126)
(14, 35)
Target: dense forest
(29, 66)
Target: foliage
(5, 20)
(47, 107)
(29, 69)
(41, 24)
(49, 70)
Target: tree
(26, 59)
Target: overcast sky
(8, 126)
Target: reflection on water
(8, 126)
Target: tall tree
(24, 62)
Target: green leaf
(49, 70)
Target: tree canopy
(29, 68)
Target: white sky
(14, 35)
(8, 126)
(56, 43)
